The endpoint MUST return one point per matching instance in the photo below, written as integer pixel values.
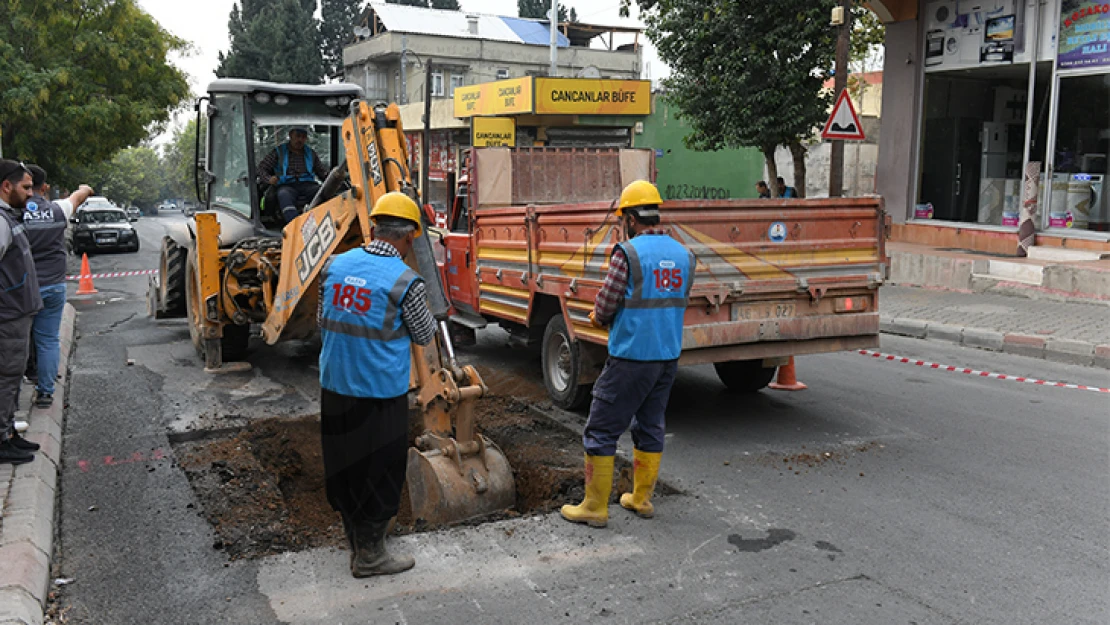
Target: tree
(179, 159)
(81, 79)
(538, 9)
(278, 40)
(132, 176)
(746, 73)
(337, 19)
(450, 5)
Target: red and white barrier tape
(115, 274)
(982, 374)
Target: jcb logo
(315, 248)
(375, 164)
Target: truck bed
(774, 277)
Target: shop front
(1015, 119)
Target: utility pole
(840, 83)
(404, 97)
(424, 195)
(554, 71)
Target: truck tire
(171, 274)
(562, 362)
(744, 376)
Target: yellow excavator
(235, 263)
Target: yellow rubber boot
(594, 509)
(645, 471)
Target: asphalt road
(944, 498)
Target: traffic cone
(787, 379)
(85, 284)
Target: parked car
(103, 229)
(134, 213)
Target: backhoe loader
(235, 263)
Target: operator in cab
(643, 302)
(372, 306)
(295, 169)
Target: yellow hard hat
(639, 193)
(397, 204)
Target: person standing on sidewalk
(643, 300)
(372, 306)
(45, 223)
(19, 302)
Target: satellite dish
(589, 72)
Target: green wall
(686, 174)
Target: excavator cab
(246, 119)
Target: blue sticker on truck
(777, 232)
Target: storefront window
(972, 146)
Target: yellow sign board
(583, 96)
(504, 97)
(493, 132)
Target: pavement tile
(1066, 350)
(1102, 356)
(26, 567)
(29, 514)
(945, 332)
(1024, 345)
(983, 339)
(18, 607)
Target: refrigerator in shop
(997, 194)
(950, 169)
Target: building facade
(995, 114)
(398, 45)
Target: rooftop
(381, 17)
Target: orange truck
(527, 245)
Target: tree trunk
(798, 153)
(772, 170)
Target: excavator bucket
(447, 487)
(454, 473)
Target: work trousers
(44, 334)
(629, 393)
(295, 194)
(365, 446)
(15, 339)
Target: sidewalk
(1074, 332)
(27, 497)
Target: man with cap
(45, 224)
(293, 167)
(643, 301)
(372, 306)
(19, 302)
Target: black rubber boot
(372, 558)
(10, 454)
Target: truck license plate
(770, 310)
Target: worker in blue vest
(372, 305)
(643, 302)
(293, 167)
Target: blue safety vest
(283, 156)
(648, 326)
(366, 345)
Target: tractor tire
(744, 376)
(171, 275)
(561, 359)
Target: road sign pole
(840, 82)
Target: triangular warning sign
(843, 124)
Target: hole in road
(261, 487)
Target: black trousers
(365, 445)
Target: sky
(203, 23)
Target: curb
(1067, 351)
(27, 531)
